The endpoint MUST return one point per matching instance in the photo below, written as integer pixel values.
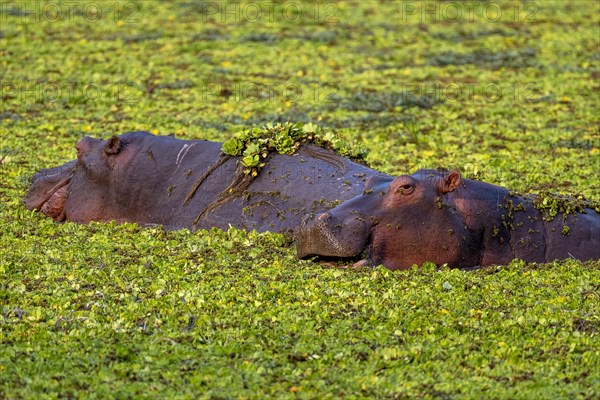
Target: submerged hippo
(445, 219)
(147, 179)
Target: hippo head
(77, 189)
(400, 222)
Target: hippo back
(574, 236)
(288, 189)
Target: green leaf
(232, 147)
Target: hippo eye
(405, 189)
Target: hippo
(443, 218)
(159, 180)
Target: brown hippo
(139, 177)
(442, 218)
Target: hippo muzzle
(49, 189)
(327, 236)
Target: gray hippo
(147, 179)
(440, 217)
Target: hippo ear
(451, 182)
(113, 146)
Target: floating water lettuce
(255, 144)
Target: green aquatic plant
(552, 204)
(254, 145)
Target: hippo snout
(329, 236)
(48, 190)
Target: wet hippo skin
(147, 179)
(445, 219)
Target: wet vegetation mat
(507, 92)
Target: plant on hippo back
(552, 204)
(255, 144)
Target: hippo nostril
(324, 217)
